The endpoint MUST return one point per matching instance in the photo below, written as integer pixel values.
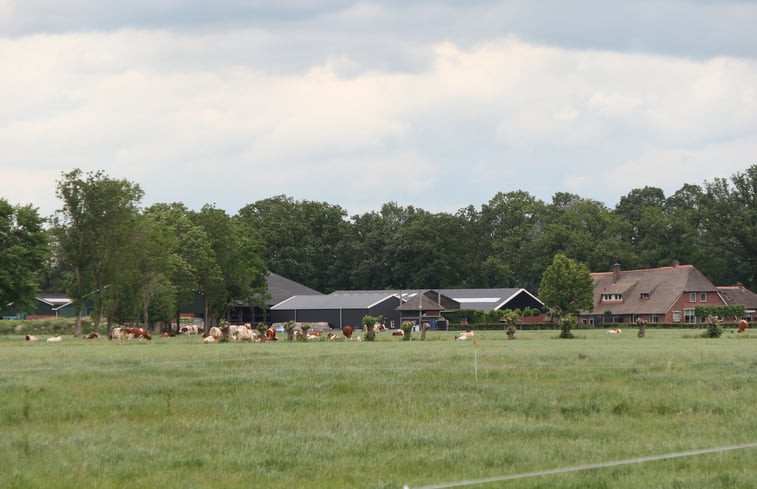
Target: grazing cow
(243, 333)
(615, 331)
(189, 329)
(139, 333)
(92, 336)
(270, 334)
(31, 338)
(743, 325)
(55, 339)
(347, 332)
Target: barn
(338, 309)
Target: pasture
(177, 413)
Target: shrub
(714, 328)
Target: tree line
(140, 264)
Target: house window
(692, 296)
(676, 316)
(654, 319)
(703, 297)
(688, 316)
(645, 295)
(612, 298)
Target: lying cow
(55, 339)
(30, 337)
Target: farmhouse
(666, 294)
(740, 295)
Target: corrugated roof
(281, 288)
(420, 303)
(335, 301)
(485, 299)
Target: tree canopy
(140, 264)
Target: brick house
(658, 295)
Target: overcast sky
(436, 104)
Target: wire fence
(579, 468)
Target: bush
(45, 326)
(714, 330)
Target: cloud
(211, 117)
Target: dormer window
(612, 298)
(645, 295)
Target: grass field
(176, 413)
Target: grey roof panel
(335, 301)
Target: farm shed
(338, 309)
(491, 299)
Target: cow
(92, 336)
(614, 331)
(347, 332)
(743, 325)
(270, 334)
(464, 335)
(139, 333)
(30, 337)
(243, 333)
(189, 329)
(209, 339)
(398, 332)
(168, 334)
(216, 333)
(55, 339)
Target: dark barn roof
(281, 288)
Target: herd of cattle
(235, 333)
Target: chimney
(676, 263)
(616, 272)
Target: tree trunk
(77, 327)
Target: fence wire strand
(579, 468)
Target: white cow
(55, 339)
(31, 338)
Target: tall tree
(192, 257)
(632, 205)
(304, 240)
(584, 230)
(510, 221)
(240, 271)
(98, 216)
(730, 223)
(23, 251)
(566, 286)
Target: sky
(435, 104)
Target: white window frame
(689, 317)
(676, 316)
(703, 297)
(692, 296)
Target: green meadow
(177, 413)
